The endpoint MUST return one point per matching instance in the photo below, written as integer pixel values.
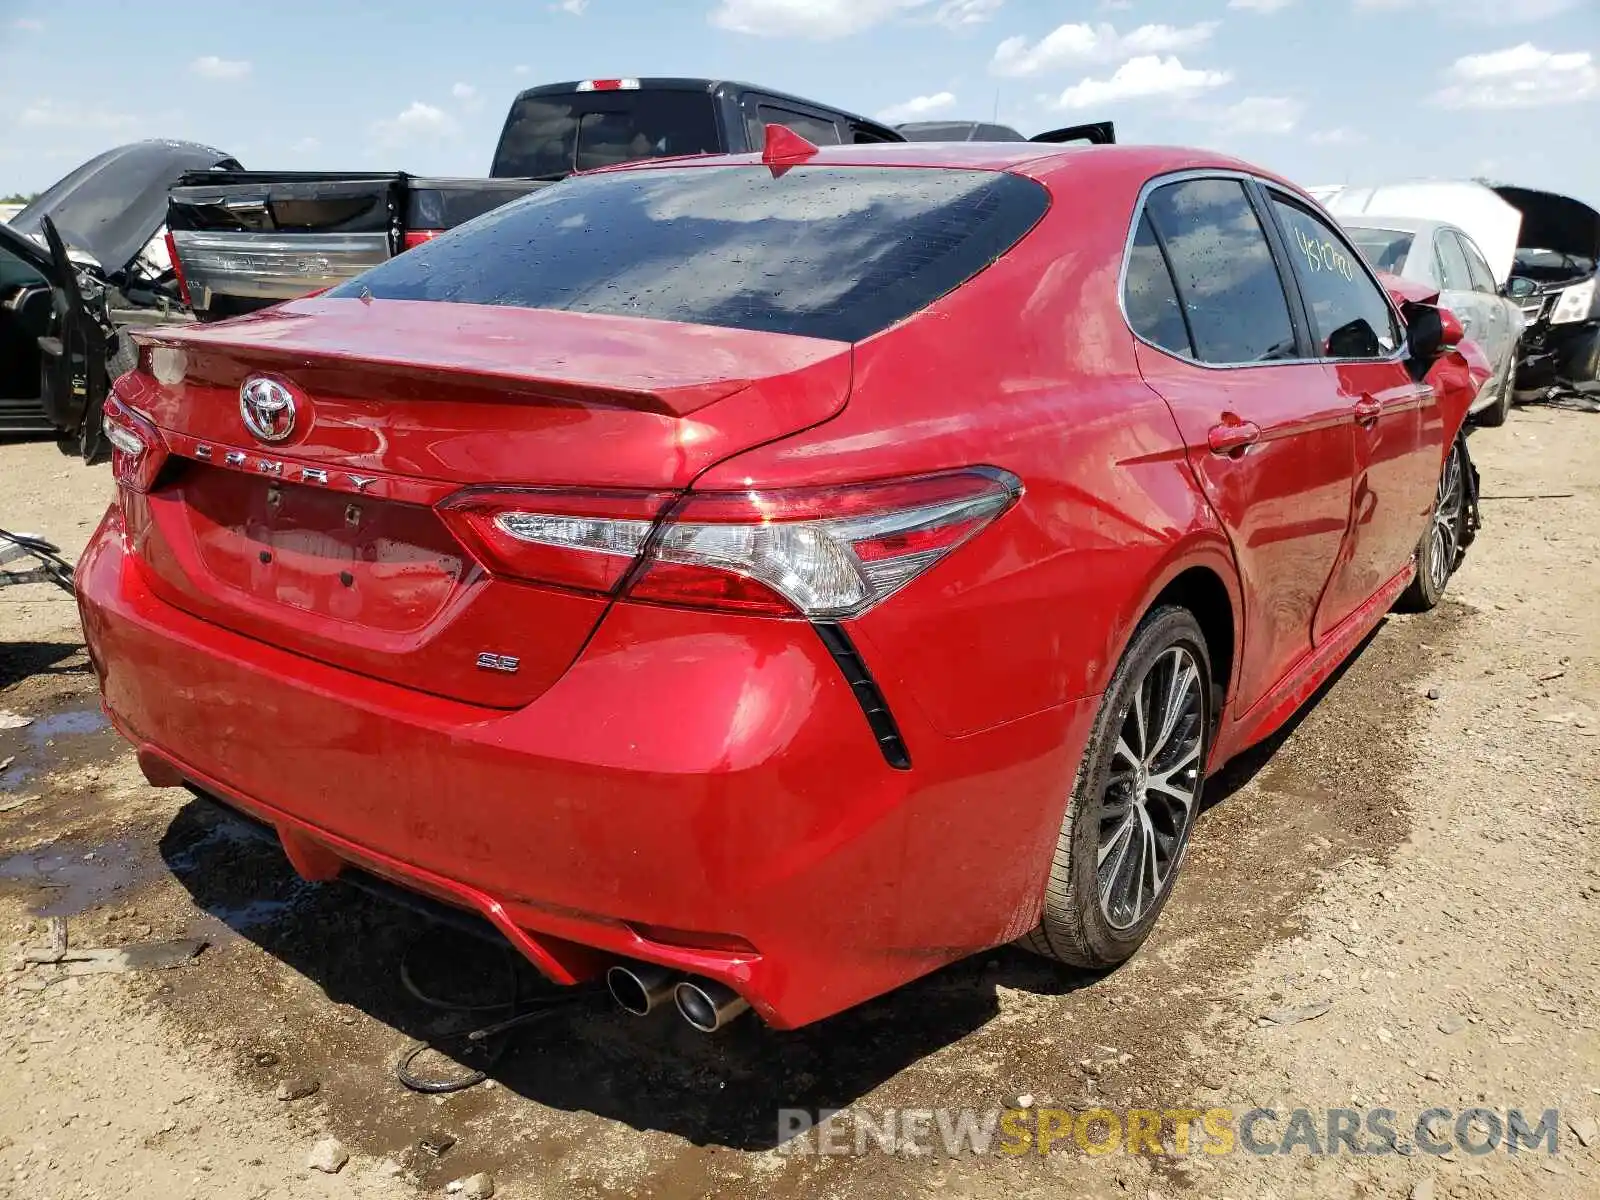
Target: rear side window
(1454, 275)
(1482, 276)
(1350, 315)
(1150, 297)
(1225, 274)
(1386, 249)
(814, 129)
(827, 252)
(554, 135)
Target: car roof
(1398, 224)
(1039, 160)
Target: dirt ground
(1406, 878)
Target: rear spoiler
(1097, 133)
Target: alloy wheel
(1446, 528)
(1150, 793)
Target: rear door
(1394, 420)
(74, 360)
(1266, 432)
(1502, 326)
(1456, 291)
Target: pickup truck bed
(248, 238)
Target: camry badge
(267, 407)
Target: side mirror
(1519, 288)
(1425, 334)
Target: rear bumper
(694, 785)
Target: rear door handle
(1233, 437)
(1368, 410)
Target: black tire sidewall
(1163, 630)
(1421, 596)
(1495, 415)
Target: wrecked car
(1448, 261)
(573, 583)
(1556, 262)
(82, 262)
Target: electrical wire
(482, 1048)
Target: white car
(1443, 256)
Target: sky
(1322, 91)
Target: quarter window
(1350, 315)
(1150, 297)
(1454, 274)
(1226, 278)
(815, 130)
(1482, 276)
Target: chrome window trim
(1267, 185)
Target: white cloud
(467, 97)
(1140, 78)
(819, 19)
(1339, 136)
(28, 24)
(1260, 114)
(918, 107)
(46, 114)
(209, 66)
(1482, 12)
(962, 14)
(306, 145)
(417, 121)
(1264, 7)
(1519, 77)
(575, 7)
(1072, 44)
(520, 69)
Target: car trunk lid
(329, 542)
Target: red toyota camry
(765, 581)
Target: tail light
(820, 553)
(177, 270)
(418, 237)
(138, 451)
(576, 539)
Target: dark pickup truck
(243, 240)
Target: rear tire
(1443, 541)
(1135, 798)
(1495, 415)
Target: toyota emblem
(267, 407)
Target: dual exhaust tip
(640, 988)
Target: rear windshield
(827, 252)
(554, 135)
(1385, 249)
